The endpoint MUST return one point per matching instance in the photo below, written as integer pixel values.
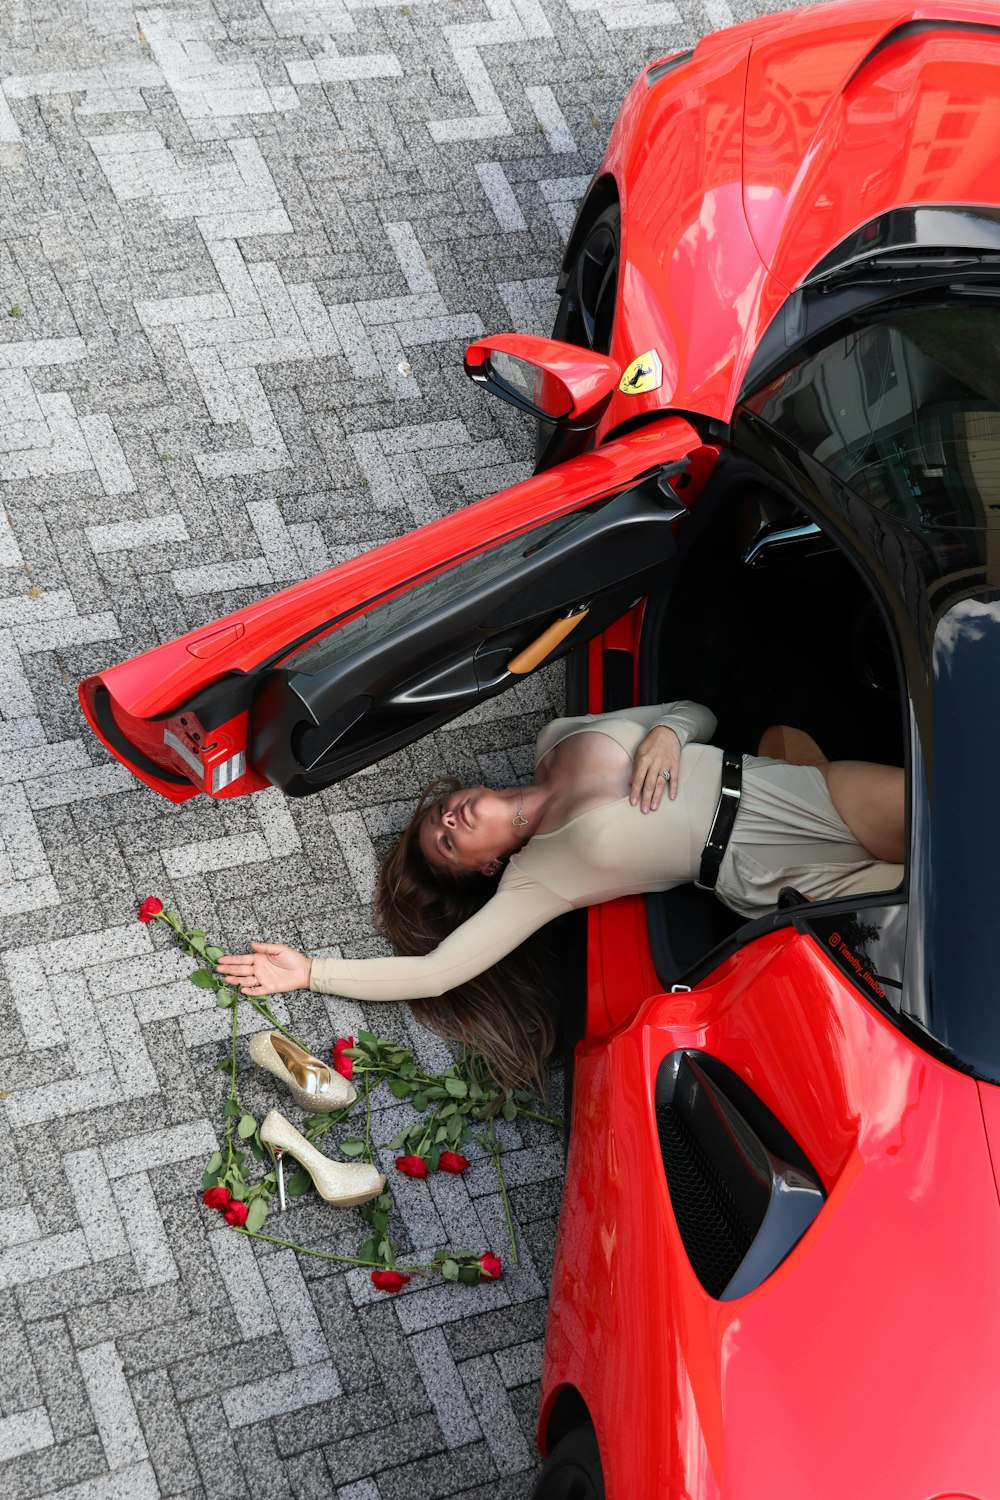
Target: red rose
(389, 1281)
(451, 1161)
(489, 1266)
(237, 1212)
(150, 908)
(217, 1197)
(411, 1166)
(343, 1065)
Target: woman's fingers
(657, 768)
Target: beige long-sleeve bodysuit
(787, 832)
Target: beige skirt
(788, 832)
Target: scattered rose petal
(150, 908)
(411, 1166)
(389, 1281)
(341, 1064)
(453, 1162)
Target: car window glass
(905, 411)
(434, 593)
(868, 946)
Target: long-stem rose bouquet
(449, 1103)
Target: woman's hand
(657, 765)
(271, 969)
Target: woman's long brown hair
(504, 1012)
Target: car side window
(905, 411)
(443, 588)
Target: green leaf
(384, 1250)
(509, 1110)
(447, 1110)
(214, 954)
(420, 1102)
(449, 1270)
(352, 1148)
(257, 1214)
(225, 999)
(368, 1249)
(456, 1129)
(232, 1109)
(211, 1179)
(214, 1162)
(256, 1148)
(400, 1089)
(380, 1221)
(237, 1186)
(366, 1039)
(203, 978)
(384, 1201)
(246, 1128)
(456, 1087)
(398, 1139)
(441, 1134)
(300, 1182)
(469, 1275)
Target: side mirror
(551, 381)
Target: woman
(619, 803)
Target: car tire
(587, 306)
(572, 1470)
(585, 316)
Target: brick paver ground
(243, 247)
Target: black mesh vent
(716, 1235)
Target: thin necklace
(519, 820)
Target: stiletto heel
(312, 1084)
(342, 1182)
(279, 1165)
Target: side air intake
(742, 1192)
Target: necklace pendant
(519, 820)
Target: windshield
(906, 412)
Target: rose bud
(453, 1162)
(150, 908)
(217, 1197)
(489, 1266)
(237, 1212)
(389, 1281)
(341, 1064)
(411, 1166)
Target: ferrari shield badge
(645, 373)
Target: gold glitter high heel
(313, 1085)
(342, 1182)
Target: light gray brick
(42, 1258)
(113, 1407)
(280, 1394)
(158, 1148)
(296, 1316)
(448, 1395)
(244, 1284)
(121, 536)
(497, 1418)
(25, 1432)
(148, 1241)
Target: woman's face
(467, 830)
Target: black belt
(722, 823)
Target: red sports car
(769, 480)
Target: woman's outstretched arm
(519, 907)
